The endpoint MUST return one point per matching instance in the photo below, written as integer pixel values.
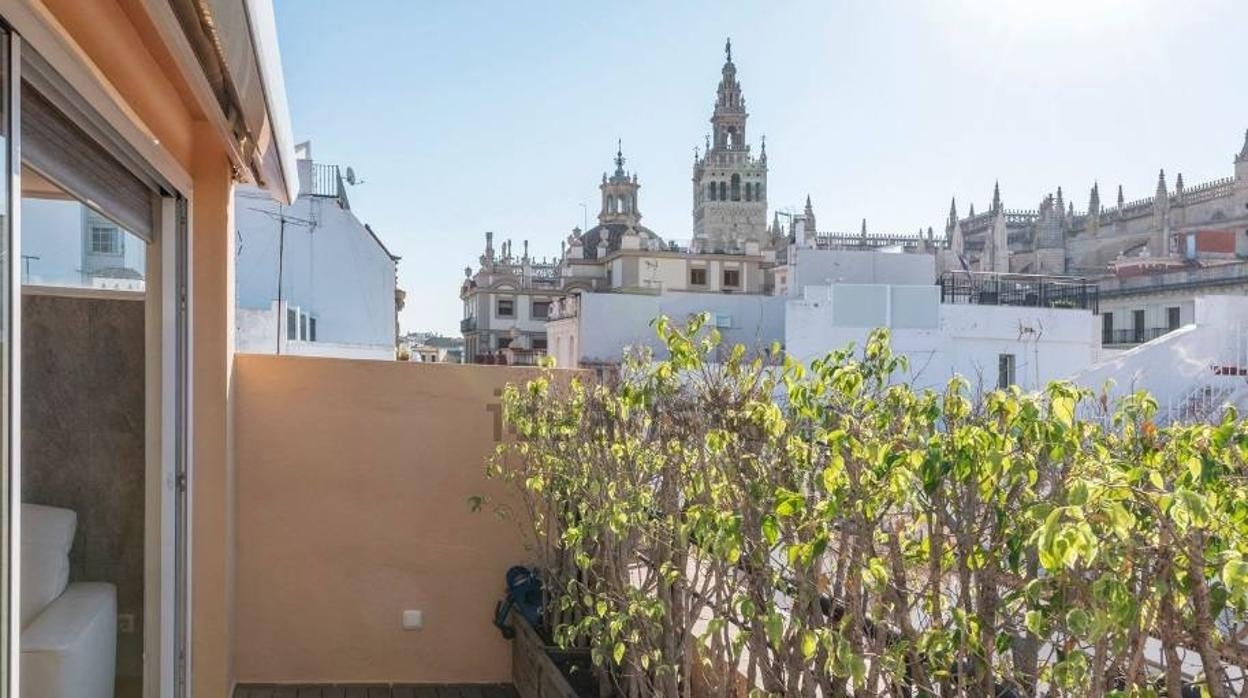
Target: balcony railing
(326, 180)
(989, 288)
(468, 324)
(1135, 335)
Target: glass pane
(7, 497)
(67, 243)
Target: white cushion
(47, 535)
(70, 651)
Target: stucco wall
(809, 267)
(609, 322)
(352, 499)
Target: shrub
(828, 531)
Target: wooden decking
(375, 691)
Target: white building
(992, 329)
(989, 345)
(338, 294)
(1192, 371)
(593, 330)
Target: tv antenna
(282, 220)
(350, 178)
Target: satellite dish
(351, 176)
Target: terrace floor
(375, 691)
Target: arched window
(736, 187)
(611, 204)
(732, 137)
(723, 191)
(749, 191)
(710, 191)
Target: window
(710, 191)
(732, 277)
(736, 187)
(291, 323)
(539, 343)
(1005, 371)
(1107, 328)
(303, 327)
(749, 191)
(105, 240)
(1172, 318)
(541, 310)
(503, 343)
(312, 329)
(506, 307)
(697, 276)
(723, 191)
(1137, 325)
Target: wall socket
(125, 623)
(413, 620)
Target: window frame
(511, 307)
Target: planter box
(533, 672)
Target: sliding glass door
(10, 305)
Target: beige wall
(212, 479)
(353, 479)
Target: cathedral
(1179, 225)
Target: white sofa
(69, 631)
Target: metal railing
(1029, 290)
(468, 324)
(326, 180)
(1137, 335)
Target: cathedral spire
(864, 228)
(728, 50)
(953, 215)
(1243, 154)
(1161, 186)
(1121, 200)
(1094, 199)
(996, 196)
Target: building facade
(1204, 222)
(312, 279)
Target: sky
(462, 117)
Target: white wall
(808, 267)
(334, 269)
(257, 333)
(608, 322)
(964, 340)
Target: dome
(612, 232)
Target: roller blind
(54, 146)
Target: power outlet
(125, 623)
(413, 620)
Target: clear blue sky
(463, 117)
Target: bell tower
(619, 194)
(729, 183)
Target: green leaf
(618, 652)
(771, 529)
(1064, 410)
(809, 644)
